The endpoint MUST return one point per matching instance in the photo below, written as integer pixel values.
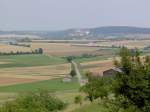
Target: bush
(72, 73)
(78, 100)
(34, 102)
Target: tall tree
(133, 84)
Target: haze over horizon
(66, 14)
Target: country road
(77, 72)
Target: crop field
(97, 67)
(100, 48)
(17, 75)
(16, 69)
(28, 60)
(63, 49)
(5, 48)
(68, 49)
(91, 59)
(128, 43)
(33, 72)
(50, 85)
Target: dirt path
(81, 81)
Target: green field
(108, 53)
(81, 60)
(50, 85)
(29, 60)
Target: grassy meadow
(29, 60)
(50, 85)
(93, 107)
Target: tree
(78, 100)
(40, 51)
(70, 58)
(133, 84)
(95, 88)
(73, 73)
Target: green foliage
(133, 84)
(34, 102)
(78, 100)
(95, 88)
(40, 51)
(70, 58)
(114, 105)
(130, 89)
(93, 107)
(73, 73)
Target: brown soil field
(28, 74)
(9, 81)
(97, 67)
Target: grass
(107, 53)
(93, 107)
(81, 60)
(29, 60)
(50, 85)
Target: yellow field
(4, 48)
(17, 75)
(97, 67)
(65, 49)
(62, 49)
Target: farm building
(112, 71)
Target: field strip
(11, 48)
(29, 74)
(4, 81)
(110, 61)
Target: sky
(65, 14)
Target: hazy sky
(64, 14)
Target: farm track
(79, 76)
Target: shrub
(78, 100)
(34, 102)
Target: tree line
(17, 44)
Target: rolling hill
(85, 33)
